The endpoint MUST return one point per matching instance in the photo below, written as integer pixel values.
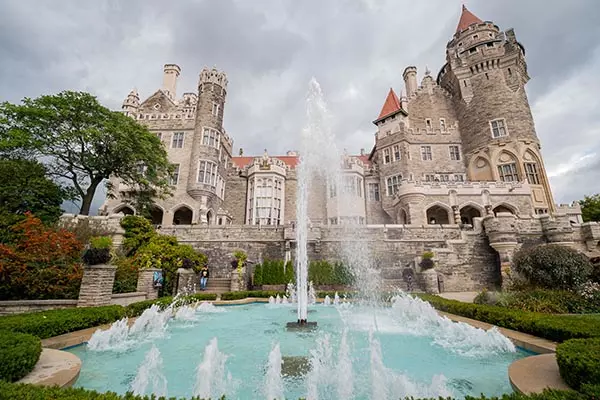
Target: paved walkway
(466, 297)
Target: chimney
(171, 72)
(410, 80)
(362, 152)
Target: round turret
(131, 103)
(211, 148)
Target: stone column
(502, 232)
(96, 285)
(186, 281)
(146, 283)
(430, 281)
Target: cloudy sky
(270, 49)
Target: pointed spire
(467, 18)
(391, 105)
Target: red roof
(467, 18)
(391, 105)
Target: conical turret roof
(391, 105)
(467, 18)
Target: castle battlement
(213, 76)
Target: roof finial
(427, 71)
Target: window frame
(503, 127)
(533, 173)
(396, 152)
(373, 191)
(454, 156)
(212, 173)
(393, 183)
(426, 151)
(387, 158)
(514, 173)
(174, 178)
(175, 140)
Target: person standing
(204, 273)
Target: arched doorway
(438, 215)
(502, 208)
(467, 213)
(124, 210)
(183, 216)
(156, 215)
(403, 217)
(209, 217)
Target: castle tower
(131, 103)
(206, 181)
(171, 73)
(486, 73)
(410, 80)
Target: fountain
(274, 380)
(327, 300)
(149, 378)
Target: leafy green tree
(590, 207)
(24, 187)
(85, 143)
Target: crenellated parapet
(557, 228)
(213, 76)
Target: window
(454, 153)
(177, 142)
(442, 124)
(473, 50)
(475, 37)
(428, 124)
(393, 184)
(374, 191)
(508, 172)
(266, 201)
(498, 127)
(175, 175)
(509, 72)
(426, 153)
(445, 178)
(429, 178)
(207, 173)
(159, 135)
(490, 44)
(215, 109)
(386, 156)
(532, 173)
(541, 211)
(396, 149)
(210, 137)
(352, 185)
(459, 178)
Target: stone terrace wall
(26, 306)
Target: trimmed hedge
(10, 391)
(51, 323)
(553, 327)
(579, 361)
(18, 354)
(263, 294)
(135, 309)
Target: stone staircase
(218, 285)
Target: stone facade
(455, 168)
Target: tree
(590, 207)
(85, 144)
(24, 187)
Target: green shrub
(325, 273)
(18, 354)
(137, 308)
(290, 274)
(552, 327)
(552, 266)
(126, 275)
(163, 252)
(251, 293)
(138, 232)
(257, 277)
(101, 242)
(11, 391)
(51, 323)
(579, 361)
(551, 301)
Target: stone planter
(146, 283)
(187, 282)
(96, 285)
(430, 280)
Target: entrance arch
(183, 216)
(209, 217)
(504, 208)
(467, 213)
(156, 215)
(437, 214)
(124, 210)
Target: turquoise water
(416, 348)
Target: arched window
(438, 215)
(507, 168)
(126, 210)
(467, 213)
(183, 216)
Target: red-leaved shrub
(43, 263)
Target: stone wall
(26, 306)
(125, 299)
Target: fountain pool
(361, 352)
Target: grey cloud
(270, 49)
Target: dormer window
(156, 106)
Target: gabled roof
(161, 98)
(390, 107)
(467, 18)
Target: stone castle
(456, 150)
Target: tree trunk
(86, 201)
